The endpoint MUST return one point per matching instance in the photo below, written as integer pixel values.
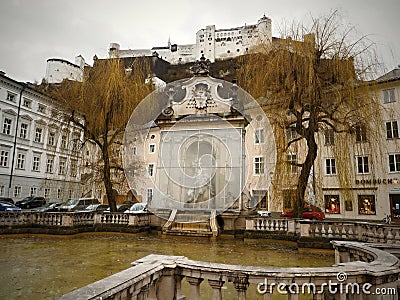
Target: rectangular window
(259, 165)
(23, 131)
(1, 190)
(51, 138)
(38, 135)
(26, 103)
(59, 194)
(392, 130)
(389, 96)
(362, 164)
(33, 191)
(4, 158)
(150, 170)
(366, 205)
(332, 204)
(259, 136)
(73, 168)
(36, 163)
(47, 192)
(7, 126)
(134, 150)
(152, 148)
(21, 161)
(49, 165)
(361, 133)
(329, 135)
(330, 166)
(149, 195)
(42, 108)
(63, 142)
(61, 167)
(394, 162)
(292, 163)
(291, 133)
(11, 97)
(17, 191)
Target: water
(44, 267)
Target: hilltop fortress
(214, 44)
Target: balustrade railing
(331, 229)
(361, 269)
(71, 219)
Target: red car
(309, 212)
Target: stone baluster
(330, 235)
(178, 287)
(350, 232)
(216, 286)
(323, 231)
(389, 236)
(194, 287)
(144, 293)
(317, 232)
(397, 235)
(381, 231)
(241, 283)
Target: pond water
(46, 266)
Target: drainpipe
(15, 138)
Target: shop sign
(377, 181)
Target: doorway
(395, 207)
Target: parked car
(6, 199)
(95, 207)
(31, 202)
(137, 208)
(120, 207)
(309, 212)
(8, 207)
(50, 207)
(78, 204)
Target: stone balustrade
(327, 229)
(10, 221)
(360, 272)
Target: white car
(264, 213)
(137, 208)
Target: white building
(59, 69)
(374, 168)
(39, 148)
(214, 44)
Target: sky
(33, 31)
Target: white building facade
(39, 149)
(214, 44)
(59, 69)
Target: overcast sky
(33, 31)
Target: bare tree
(310, 80)
(101, 106)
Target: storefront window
(332, 204)
(366, 205)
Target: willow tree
(311, 79)
(101, 106)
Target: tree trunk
(305, 174)
(107, 178)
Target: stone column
(194, 287)
(216, 289)
(178, 287)
(241, 283)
